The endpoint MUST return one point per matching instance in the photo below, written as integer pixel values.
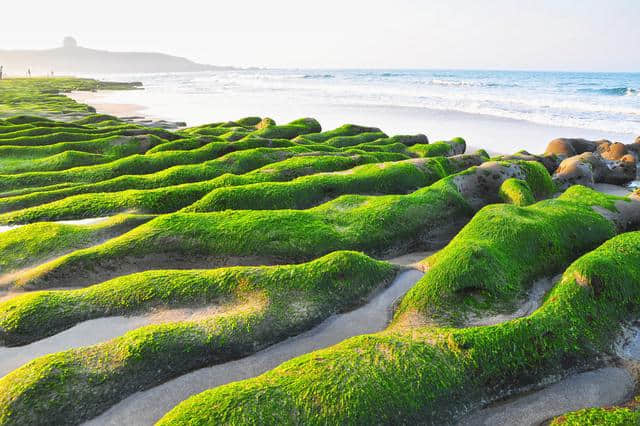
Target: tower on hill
(69, 42)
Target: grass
(377, 225)
(433, 375)
(261, 305)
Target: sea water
(500, 110)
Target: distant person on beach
(29, 72)
(1, 68)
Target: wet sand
(411, 260)
(83, 334)
(145, 408)
(618, 190)
(606, 386)
(96, 331)
(602, 387)
(534, 299)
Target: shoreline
(498, 135)
(93, 99)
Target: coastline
(95, 99)
(498, 135)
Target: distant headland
(72, 58)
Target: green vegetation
(431, 375)
(64, 160)
(36, 242)
(483, 268)
(344, 130)
(516, 191)
(141, 164)
(626, 415)
(253, 192)
(304, 192)
(165, 192)
(44, 96)
(258, 306)
(380, 225)
(117, 147)
(441, 148)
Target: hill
(71, 58)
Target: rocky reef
(265, 273)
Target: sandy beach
(199, 98)
(97, 100)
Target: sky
(585, 35)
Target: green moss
(440, 148)
(432, 375)
(29, 244)
(538, 178)
(516, 191)
(104, 198)
(185, 144)
(304, 192)
(62, 161)
(151, 162)
(289, 131)
(344, 141)
(262, 305)
(613, 416)
(44, 96)
(483, 267)
(141, 164)
(344, 130)
(483, 153)
(380, 225)
(591, 198)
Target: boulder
(568, 147)
(589, 168)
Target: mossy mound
(379, 225)
(432, 375)
(164, 192)
(30, 244)
(516, 191)
(496, 257)
(263, 305)
(255, 192)
(304, 192)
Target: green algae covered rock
(516, 191)
(626, 415)
(263, 305)
(425, 374)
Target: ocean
(503, 111)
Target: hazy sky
(497, 34)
